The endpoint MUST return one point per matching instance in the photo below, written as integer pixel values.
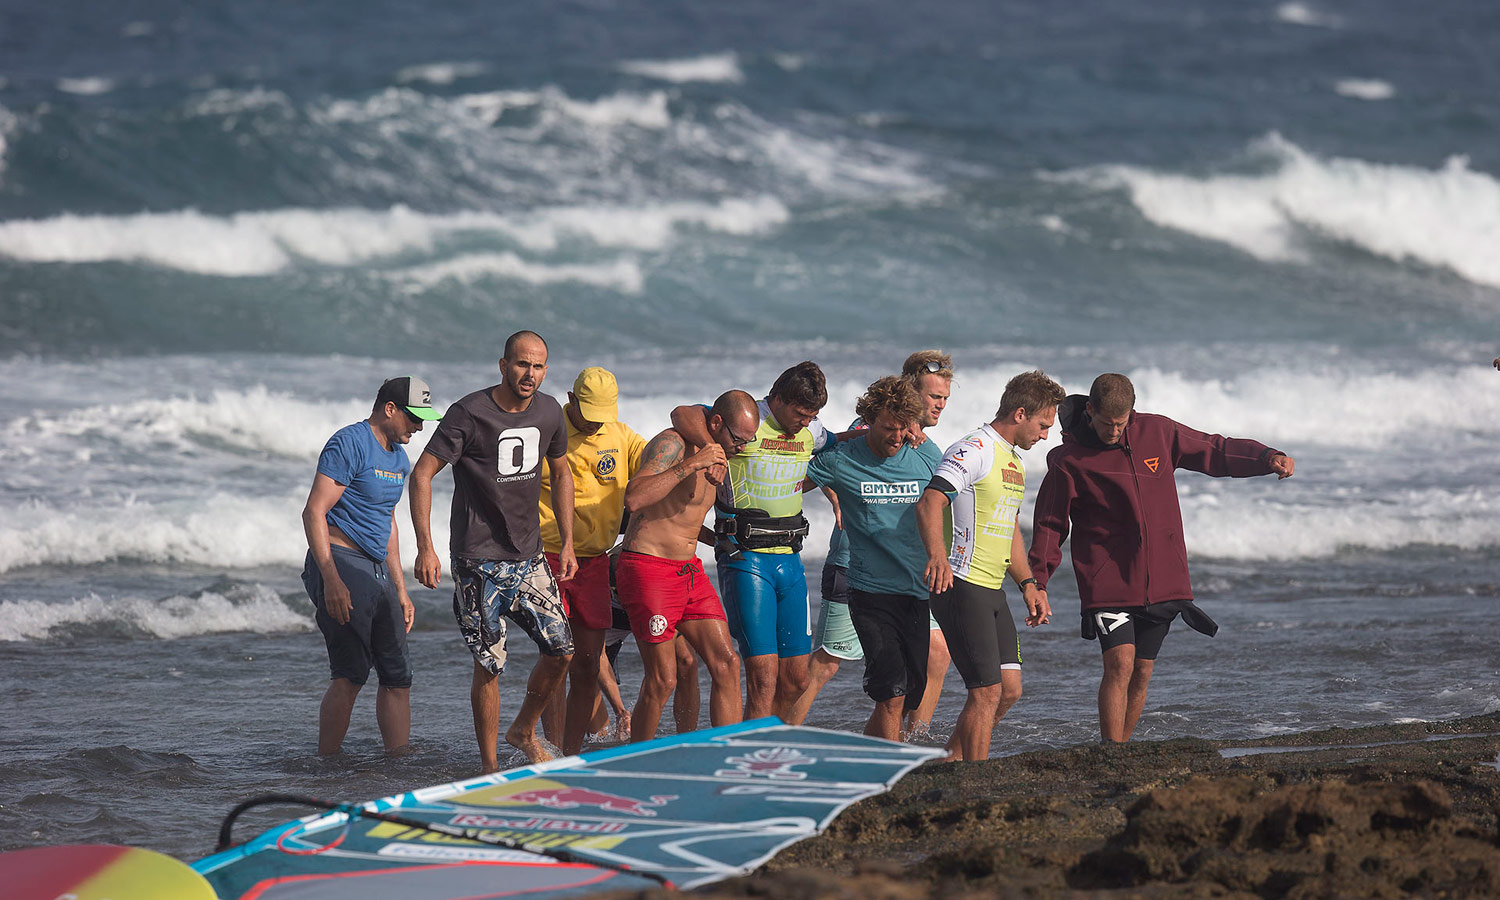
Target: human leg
(1119, 664)
(484, 701)
(793, 633)
(686, 699)
(893, 631)
(393, 716)
(1135, 694)
(919, 720)
(820, 671)
(710, 638)
(583, 685)
(334, 713)
(750, 607)
(658, 679)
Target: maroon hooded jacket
(1121, 503)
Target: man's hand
(1282, 465)
(710, 456)
(428, 570)
(336, 599)
(716, 473)
(567, 562)
(408, 611)
(914, 436)
(1038, 610)
(938, 576)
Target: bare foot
(528, 743)
(622, 727)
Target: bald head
(733, 421)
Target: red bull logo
(574, 797)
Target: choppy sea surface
(221, 227)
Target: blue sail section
(690, 809)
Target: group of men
(924, 541)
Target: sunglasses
(739, 442)
(933, 367)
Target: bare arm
(1038, 610)
(324, 494)
(562, 510)
(690, 421)
(398, 580)
(428, 569)
(665, 467)
(938, 576)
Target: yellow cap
(597, 395)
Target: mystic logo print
(1107, 622)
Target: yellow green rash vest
(767, 474)
(984, 480)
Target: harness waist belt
(753, 529)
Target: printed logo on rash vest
(1152, 463)
(883, 492)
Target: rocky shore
(1391, 811)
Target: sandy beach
(1390, 811)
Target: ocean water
(220, 228)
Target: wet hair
(510, 342)
(1112, 395)
(892, 394)
(802, 385)
(918, 364)
(1031, 392)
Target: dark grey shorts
(376, 633)
(980, 631)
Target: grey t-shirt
(497, 473)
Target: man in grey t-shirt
(495, 439)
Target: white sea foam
(440, 73)
(1364, 88)
(713, 68)
(1448, 217)
(263, 243)
(648, 111)
(248, 608)
(1304, 14)
(623, 275)
(227, 102)
(86, 87)
(138, 29)
(253, 419)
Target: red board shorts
(658, 593)
(586, 595)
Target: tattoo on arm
(664, 452)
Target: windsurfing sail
(688, 810)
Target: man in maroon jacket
(1113, 482)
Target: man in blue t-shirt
(362, 606)
(878, 478)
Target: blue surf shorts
(486, 592)
(765, 601)
(375, 636)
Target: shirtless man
(661, 581)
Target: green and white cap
(411, 394)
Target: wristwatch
(1025, 581)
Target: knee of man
(661, 684)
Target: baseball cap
(411, 394)
(597, 395)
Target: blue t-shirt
(838, 541)
(373, 479)
(878, 497)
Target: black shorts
(375, 635)
(894, 632)
(1144, 626)
(980, 632)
